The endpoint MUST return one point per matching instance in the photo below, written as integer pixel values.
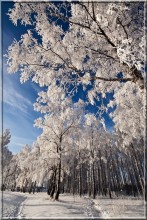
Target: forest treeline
(107, 170)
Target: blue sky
(18, 113)
(18, 99)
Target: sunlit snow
(38, 205)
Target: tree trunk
(73, 181)
(89, 181)
(59, 181)
(138, 168)
(53, 186)
(80, 181)
(93, 174)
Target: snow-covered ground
(11, 203)
(121, 208)
(38, 205)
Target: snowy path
(40, 206)
(11, 203)
(36, 206)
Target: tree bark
(93, 174)
(59, 181)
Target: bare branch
(119, 21)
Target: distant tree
(6, 155)
(5, 138)
(23, 163)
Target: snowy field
(24, 205)
(121, 208)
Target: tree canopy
(99, 46)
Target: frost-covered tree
(6, 155)
(37, 167)
(23, 162)
(91, 41)
(129, 115)
(95, 143)
(5, 138)
(13, 171)
(88, 159)
(97, 45)
(60, 121)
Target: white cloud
(17, 143)
(21, 141)
(14, 98)
(35, 87)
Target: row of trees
(75, 154)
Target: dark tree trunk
(93, 174)
(80, 181)
(59, 181)
(138, 169)
(53, 185)
(73, 181)
(89, 181)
